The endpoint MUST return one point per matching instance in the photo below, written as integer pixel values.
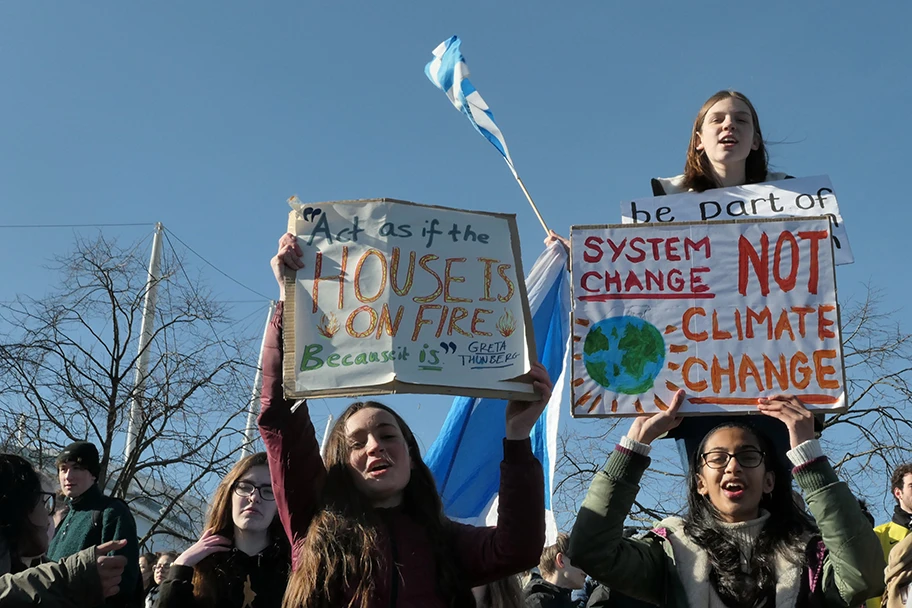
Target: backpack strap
(94, 536)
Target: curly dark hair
(899, 474)
(20, 491)
(787, 531)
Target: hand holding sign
(287, 260)
(522, 415)
(727, 311)
(647, 429)
(389, 296)
(789, 410)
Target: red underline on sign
(809, 399)
(647, 296)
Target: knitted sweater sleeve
(487, 554)
(295, 464)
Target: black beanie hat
(82, 453)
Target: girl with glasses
(85, 578)
(242, 558)
(743, 542)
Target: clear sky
(207, 115)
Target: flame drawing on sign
(329, 326)
(506, 324)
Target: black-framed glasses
(246, 489)
(50, 501)
(749, 459)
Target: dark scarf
(901, 518)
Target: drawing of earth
(624, 354)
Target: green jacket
(94, 519)
(847, 569)
(70, 583)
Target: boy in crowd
(896, 529)
(559, 578)
(94, 518)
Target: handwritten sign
(727, 311)
(400, 297)
(803, 197)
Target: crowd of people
(362, 525)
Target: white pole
(329, 422)
(529, 197)
(252, 409)
(20, 430)
(145, 336)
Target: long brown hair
(698, 171)
(342, 555)
(502, 593)
(208, 590)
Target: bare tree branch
(67, 365)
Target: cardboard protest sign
(400, 297)
(727, 311)
(803, 197)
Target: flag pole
(528, 197)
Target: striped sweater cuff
(806, 452)
(625, 464)
(812, 469)
(635, 446)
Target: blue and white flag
(465, 458)
(448, 70)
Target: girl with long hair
(147, 570)
(242, 558)
(726, 148)
(85, 578)
(744, 542)
(367, 525)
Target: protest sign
(803, 197)
(727, 311)
(399, 297)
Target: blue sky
(207, 115)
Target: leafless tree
(67, 372)
(875, 434)
(864, 443)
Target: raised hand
(555, 237)
(522, 415)
(209, 543)
(789, 410)
(110, 567)
(648, 428)
(288, 259)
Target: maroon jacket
(482, 554)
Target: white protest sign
(802, 197)
(400, 297)
(727, 311)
